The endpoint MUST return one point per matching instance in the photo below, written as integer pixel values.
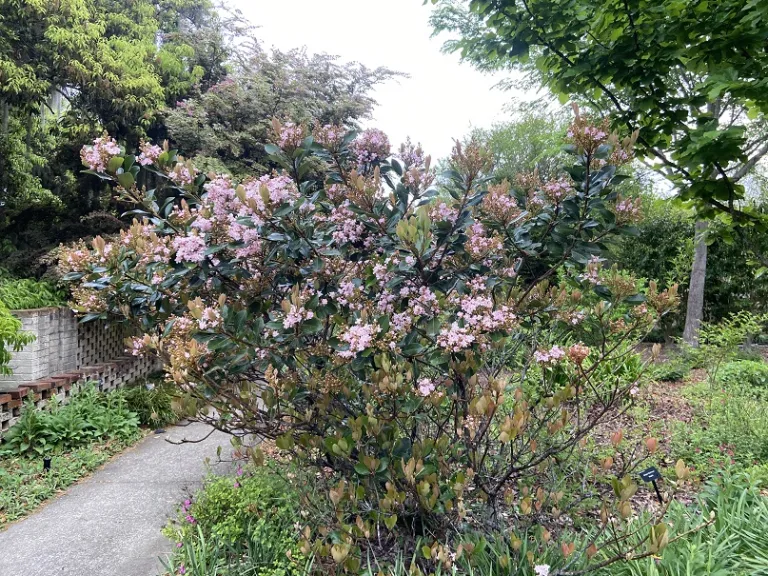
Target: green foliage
(663, 251)
(88, 417)
(12, 339)
(672, 370)
(25, 294)
(736, 543)
(152, 402)
(729, 427)
(24, 485)
(241, 526)
(532, 140)
(229, 124)
(71, 69)
(721, 342)
(665, 68)
(746, 373)
(20, 184)
(418, 351)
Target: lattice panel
(99, 342)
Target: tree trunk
(695, 310)
(4, 124)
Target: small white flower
(541, 569)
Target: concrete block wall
(65, 356)
(54, 349)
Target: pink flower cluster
(349, 228)
(549, 357)
(183, 174)
(441, 212)
(557, 190)
(426, 387)
(500, 204)
(370, 146)
(330, 136)
(592, 273)
(359, 337)
(189, 248)
(337, 193)
(149, 153)
(281, 189)
(296, 315)
(186, 509)
(97, 156)
(137, 346)
(478, 313)
(210, 318)
(455, 339)
(479, 244)
(412, 156)
(291, 136)
(628, 210)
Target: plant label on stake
(651, 475)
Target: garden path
(109, 524)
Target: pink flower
(349, 228)
(549, 357)
(455, 338)
(441, 212)
(479, 244)
(296, 315)
(330, 136)
(149, 153)
(189, 248)
(183, 174)
(359, 337)
(210, 318)
(558, 190)
(628, 210)
(97, 156)
(426, 387)
(291, 136)
(371, 146)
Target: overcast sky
(441, 100)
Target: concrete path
(109, 524)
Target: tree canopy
(689, 76)
(227, 126)
(146, 69)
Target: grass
(24, 485)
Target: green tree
(531, 140)
(226, 127)
(73, 68)
(663, 251)
(690, 79)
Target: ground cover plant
(243, 525)
(77, 437)
(422, 351)
(154, 402)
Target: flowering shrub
(419, 348)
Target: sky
(441, 100)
